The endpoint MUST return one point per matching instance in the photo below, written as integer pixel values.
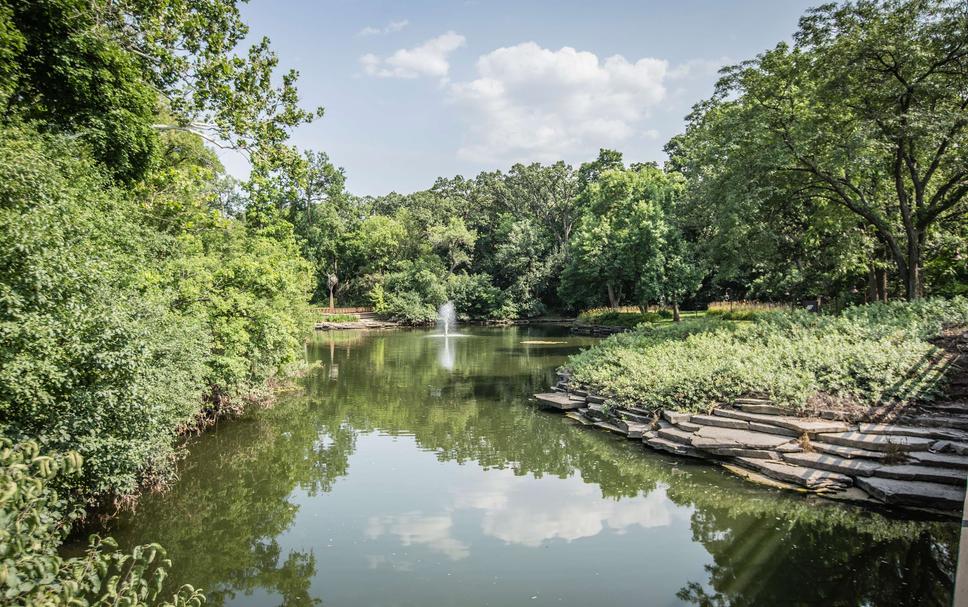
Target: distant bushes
(339, 318)
(612, 318)
(869, 354)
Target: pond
(411, 470)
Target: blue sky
(420, 89)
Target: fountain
(446, 317)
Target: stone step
(719, 422)
(596, 412)
(675, 435)
(876, 442)
(578, 417)
(958, 422)
(913, 493)
(930, 474)
(763, 409)
(675, 416)
(637, 430)
(594, 399)
(634, 417)
(611, 427)
(671, 447)
(559, 401)
(749, 400)
(848, 452)
(771, 429)
(744, 452)
(810, 478)
(947, 446)
(944, 460)
(800, 425)
(833, 463)
(712, 437)
(688, 426)
(947, 408)
(918, 431)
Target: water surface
(412, 471)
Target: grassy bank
(868, 355)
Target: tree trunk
(331, 300)
(612, 300)
(675, 310)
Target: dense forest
(144, 292)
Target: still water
(412, 471)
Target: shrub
(473, 295)
(410, 295)
(35, 520)
(868, 355)
(339, 318)
(612, 318)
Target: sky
(420, 89)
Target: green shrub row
(871, 354)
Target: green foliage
(473, 295)
(411, 294)
(35, 520)
(868, 355)
(611, 318)
(338, 318)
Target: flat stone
(848, 452)
(675, 435)
(752, 401)
(634, 417)
(637, 430)
(930, 474)
(595, 399)
(958, 422)
(876, 442)
(823, 461)
(807, 477)
(712, 437)
(744, 452)
(559, 401)
(763, 409)
(675, 416)
(914, 493)
(919, 431)
(942, 460)
(578, 417)
(790, 447)
(797, 424)
(671, 447)
(688, 426)
(611, 427)
(947, 446)
(581, 393)
(771, 429)
(596, 412)
(718, 421)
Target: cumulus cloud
(414, 528)
(530, 103)
(427, 59)
(389, 28)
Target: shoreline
(916, 462)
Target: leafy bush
(733, 314)
(410, 295)
(339, 318)
(35, 520)
(868, 355)
(473, 295)
(611, 318)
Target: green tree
(454, 241)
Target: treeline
(832, 169)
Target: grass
(868, 355)
(742, 310)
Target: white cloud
(389, 28)
(530, 103)
(414, 528)
(698, 68)
(427, 59)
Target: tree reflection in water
(225, 522)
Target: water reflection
(397, 479)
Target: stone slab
(637, 430)
(947, 446)
(578, 417)
(719, 421)
(959, 422)
(876, 442)
(848, 452)
(595, 399)
(790, 422)
(943, 460)
(688, 426)
(712, 437)
(800, 475)
(671, 447)
(676, 435)
(771, 429)
(744, 452)
(790, 447)
(763, 409)
(611, 427)
(559, 401)
(675, 416)
(749, 400)
(929, 474)
(833, 463)
(919, 431)
(634, 417)
(914, 493)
